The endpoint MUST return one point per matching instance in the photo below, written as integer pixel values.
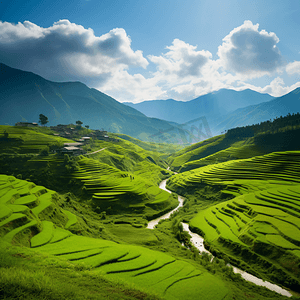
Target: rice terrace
(149, 150)
(83, 218)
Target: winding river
(198, 242)
(154, 222)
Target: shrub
(44, 151)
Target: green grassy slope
(150, 269)
(127, 156)
(224, 148)
(23, 140)
(122, 177)
(260, 225)
(28, 274)
(281, 134)
(63, 265)
(120, 183)
(116, 191)
(150, 146)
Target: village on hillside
(71, 132)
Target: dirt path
(95, 151)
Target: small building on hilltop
(73, 144)
(85, 139)
(71, 150)
(27, 124)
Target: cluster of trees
(79, 123)
(277, 125)
(44, 120)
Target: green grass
(27, 140)
(131, 263)
(59, 234)
(108, 261)
(5, 211)
(11, 234)
(119, 190)
(126, 233)
(105, 257)
(128, 157)
(72, 219)
(122, 180)
(29, 275)
(9, 196)
(12, 218)
(206, 289)
(45, 201)
(149, 146)
(281, 242)
(225, 148)
(26, 200)
(44, 236)
(263, 218)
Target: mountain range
(25, 95)
(223, 109)
(253, 114)
(213, 106)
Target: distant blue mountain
(212, 106)
(25, 95)
(253, 114)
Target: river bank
(198, 242)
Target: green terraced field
(144, 267)
(264, 215)
(113, 188)
(244, 175)
(156, 271)
(17, 207)
(27, 140)
(72, 219)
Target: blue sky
(141, 50)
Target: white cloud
(181, 61)
(67, 50)
(132, 88)
(250, 52)
(276, 88)
(293, 68)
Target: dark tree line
(279, 124)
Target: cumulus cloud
(275, 88)
(250, 52)
(293, 68)
(67, 50)
(133, 88)
(182, 60)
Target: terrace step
(44, 236)
(10, 236)
(72, 219)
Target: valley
(90, 215)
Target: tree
(87, 126)
(79, 123)
(44, 151)
(43, 119)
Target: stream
(154, 222)
(198, 242)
